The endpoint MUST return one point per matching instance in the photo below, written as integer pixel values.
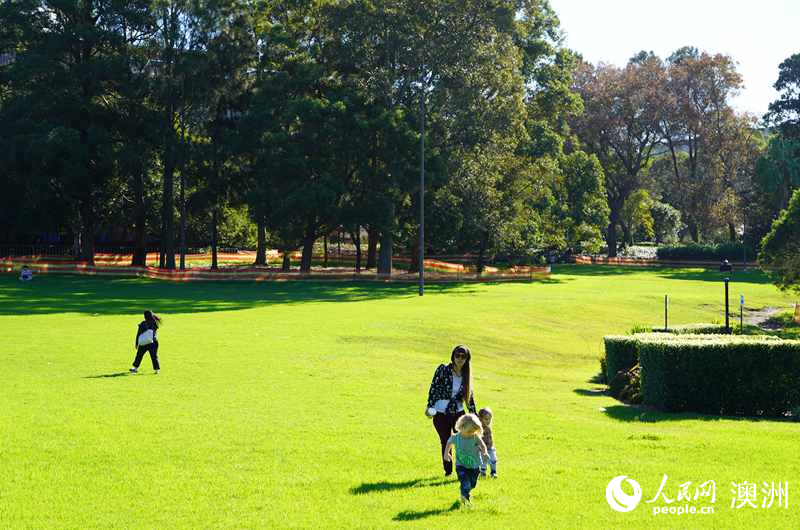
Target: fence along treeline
(160, 119)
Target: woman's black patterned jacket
(442, 388)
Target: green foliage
(636, 215)
(711, 252)
(780, 249)
(620, 356)
(237, 229)
(726, 376)
(784, 111)
(667, 223)
(697, 329)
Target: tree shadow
(642, 414)
(698, 273)
(104, 376)
(106, 296)
(411, 515)
(597, 379)
(382, 486)
(591, 393)
(713, 275)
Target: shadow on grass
(597, 379)
(411, 515)
(636, 413)
(591, 393)
(370, 487)
(671, 273)
(713, 275)
(104, 376)
(106, 296)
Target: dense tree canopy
(277, 123)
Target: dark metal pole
(727, 312)
(422, 194)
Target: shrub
(727, 375)
(698, 329)
(621, 355)
(711, 252)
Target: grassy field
(300, 404)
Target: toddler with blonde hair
(469, 448)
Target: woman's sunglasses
(461, 355)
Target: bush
(621, 356)
(727, 375)
(698, 329)
(711, 252)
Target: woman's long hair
(466, 373)
(152, 318)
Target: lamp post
(422, 192)
(726, 267)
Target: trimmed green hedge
(621, 355)
(621, 351)
(731, 375)
(698, 329)
(696, 251)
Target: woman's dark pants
(153, 349)
(445, 426)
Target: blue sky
(759, 35)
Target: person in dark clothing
(147, 341)
(450, 390)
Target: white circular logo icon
(618, 499)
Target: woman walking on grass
(147, 341)
(450, 390)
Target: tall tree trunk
(481, 264)
(77, 239)
(414, 250)
(167, 210)
(356, 236)
(88, 225)
(214, 220)
(611, 235)
(372, 247)
(261, 250)
(183, 222)
(139, 248)
(325, 251)
(731, 232)
(385, 255)
(308, 247)
(694, 232)
(286, 266)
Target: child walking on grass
(469, 448)
(485, 414)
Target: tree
(667, 223)
(784, 112)
(780, 248)
(620, 126)
(65, 81)
(694, 124)
(636, 216)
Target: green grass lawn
(300, 404)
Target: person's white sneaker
(133, 370)
(156, 372)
